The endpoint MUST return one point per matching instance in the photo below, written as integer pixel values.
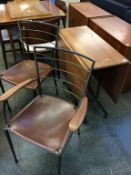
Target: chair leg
(34, 93)
(98, 90)
(55, 83)
(78, 132)
(85, 121)
(59, 164)
(20, 46)
(97, 101)
(11, 145)
(9, 108)
(4, 54)
(12, 45)
(2, 87)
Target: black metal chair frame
(44, 23)
(57, 76)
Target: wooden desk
(6, 19)
(110, 65)
(80, 13)
(117, 33)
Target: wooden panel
(80, 13)
(76, 18)
(115, 31)
(118, 34)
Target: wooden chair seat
(25, 70)
(45, 122)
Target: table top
(90, 10)
(82, 39)
(6, 18)
(116, 27)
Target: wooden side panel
(123, 49)
(106, 36)
(127, 85)
(112, 80)
(76, 18)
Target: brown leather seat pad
(25, 70)
(45, 121)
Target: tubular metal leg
(98, 89)
(2, 87)
(102, 108)
(11, 145)
(55, 83)
(59, 164)
(99, 103)
(9, 108)
(12, 45)
(34, 93)
(4, 55)
(78, 132)
(20, 46)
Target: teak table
(80, 13)
(13, 12)
(110, 66)
(7, 19)
(117, 33)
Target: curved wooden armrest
(79, 116)
(13, 90)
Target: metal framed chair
(33, 33)
(52, 117)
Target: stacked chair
(58, 110)
(32, 33)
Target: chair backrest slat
(38, 32)
(70, 72)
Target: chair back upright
(38, 33)
(71, 72)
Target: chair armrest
(13, 90)
(79, 116)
